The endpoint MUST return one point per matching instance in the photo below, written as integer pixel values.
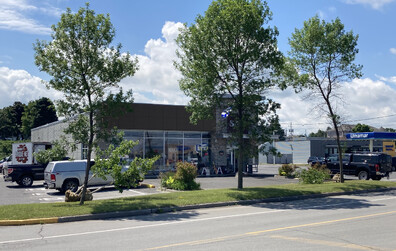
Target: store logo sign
(359, 135)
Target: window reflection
(171, 146)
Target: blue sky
(147, 28)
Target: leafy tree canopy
(85, 67)
(322, 57)
(10, 121)
(319, 133)
(389, 130)
(37, 113)
(228, 58)
(125, 175)
(361, 128)
(58, 151)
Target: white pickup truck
(69, 175)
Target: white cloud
(157, 82)
(393, 50)
(364, 98)
(19, 85)
(157, 78)
(14, 15)
(375, 4)
(391, 80)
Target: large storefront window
(171, 146)
(191, 150)
(173, 152)
(138, 150)
(155, 147)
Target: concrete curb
(29, 221)
(119, 214)
(144, 185)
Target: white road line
(140, 227)
(51, 199)
(174, 223)
(137, 192)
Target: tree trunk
(87, 169)
(89, 153)
(240, 164)
(339, 151)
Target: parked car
(69, 175)
(393, 163)
(3, 161)
(313, 160)
(364, 165)
(332, 159)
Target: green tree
(58, 151)
(361, 128)
(229, 57)
(319, 133)
(37, 113)
(125, 175)
(10, 121)
(85, 67)
(323, 54)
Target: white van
(69, 175)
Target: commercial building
(298, 151)
(163, 130)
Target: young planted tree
(111, 162)
(85, 67)
(323, 54)
(228, 58)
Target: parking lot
(11, 193)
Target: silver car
(69, 175)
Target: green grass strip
(175, 199)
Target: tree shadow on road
(283, 198)
(326, 203)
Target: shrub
(319, 166)
(314, 175)
(286, 170)
(183, 179)
(167, 179)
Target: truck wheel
(71, 185)
(363, 175)
(26, 181)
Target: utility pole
(291, 130)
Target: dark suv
(364, 165)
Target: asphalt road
(353, 222)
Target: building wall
(54, 131)
(300, 150)
(150, 119)
(320, 147)
(162, 120)
(160, 117)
